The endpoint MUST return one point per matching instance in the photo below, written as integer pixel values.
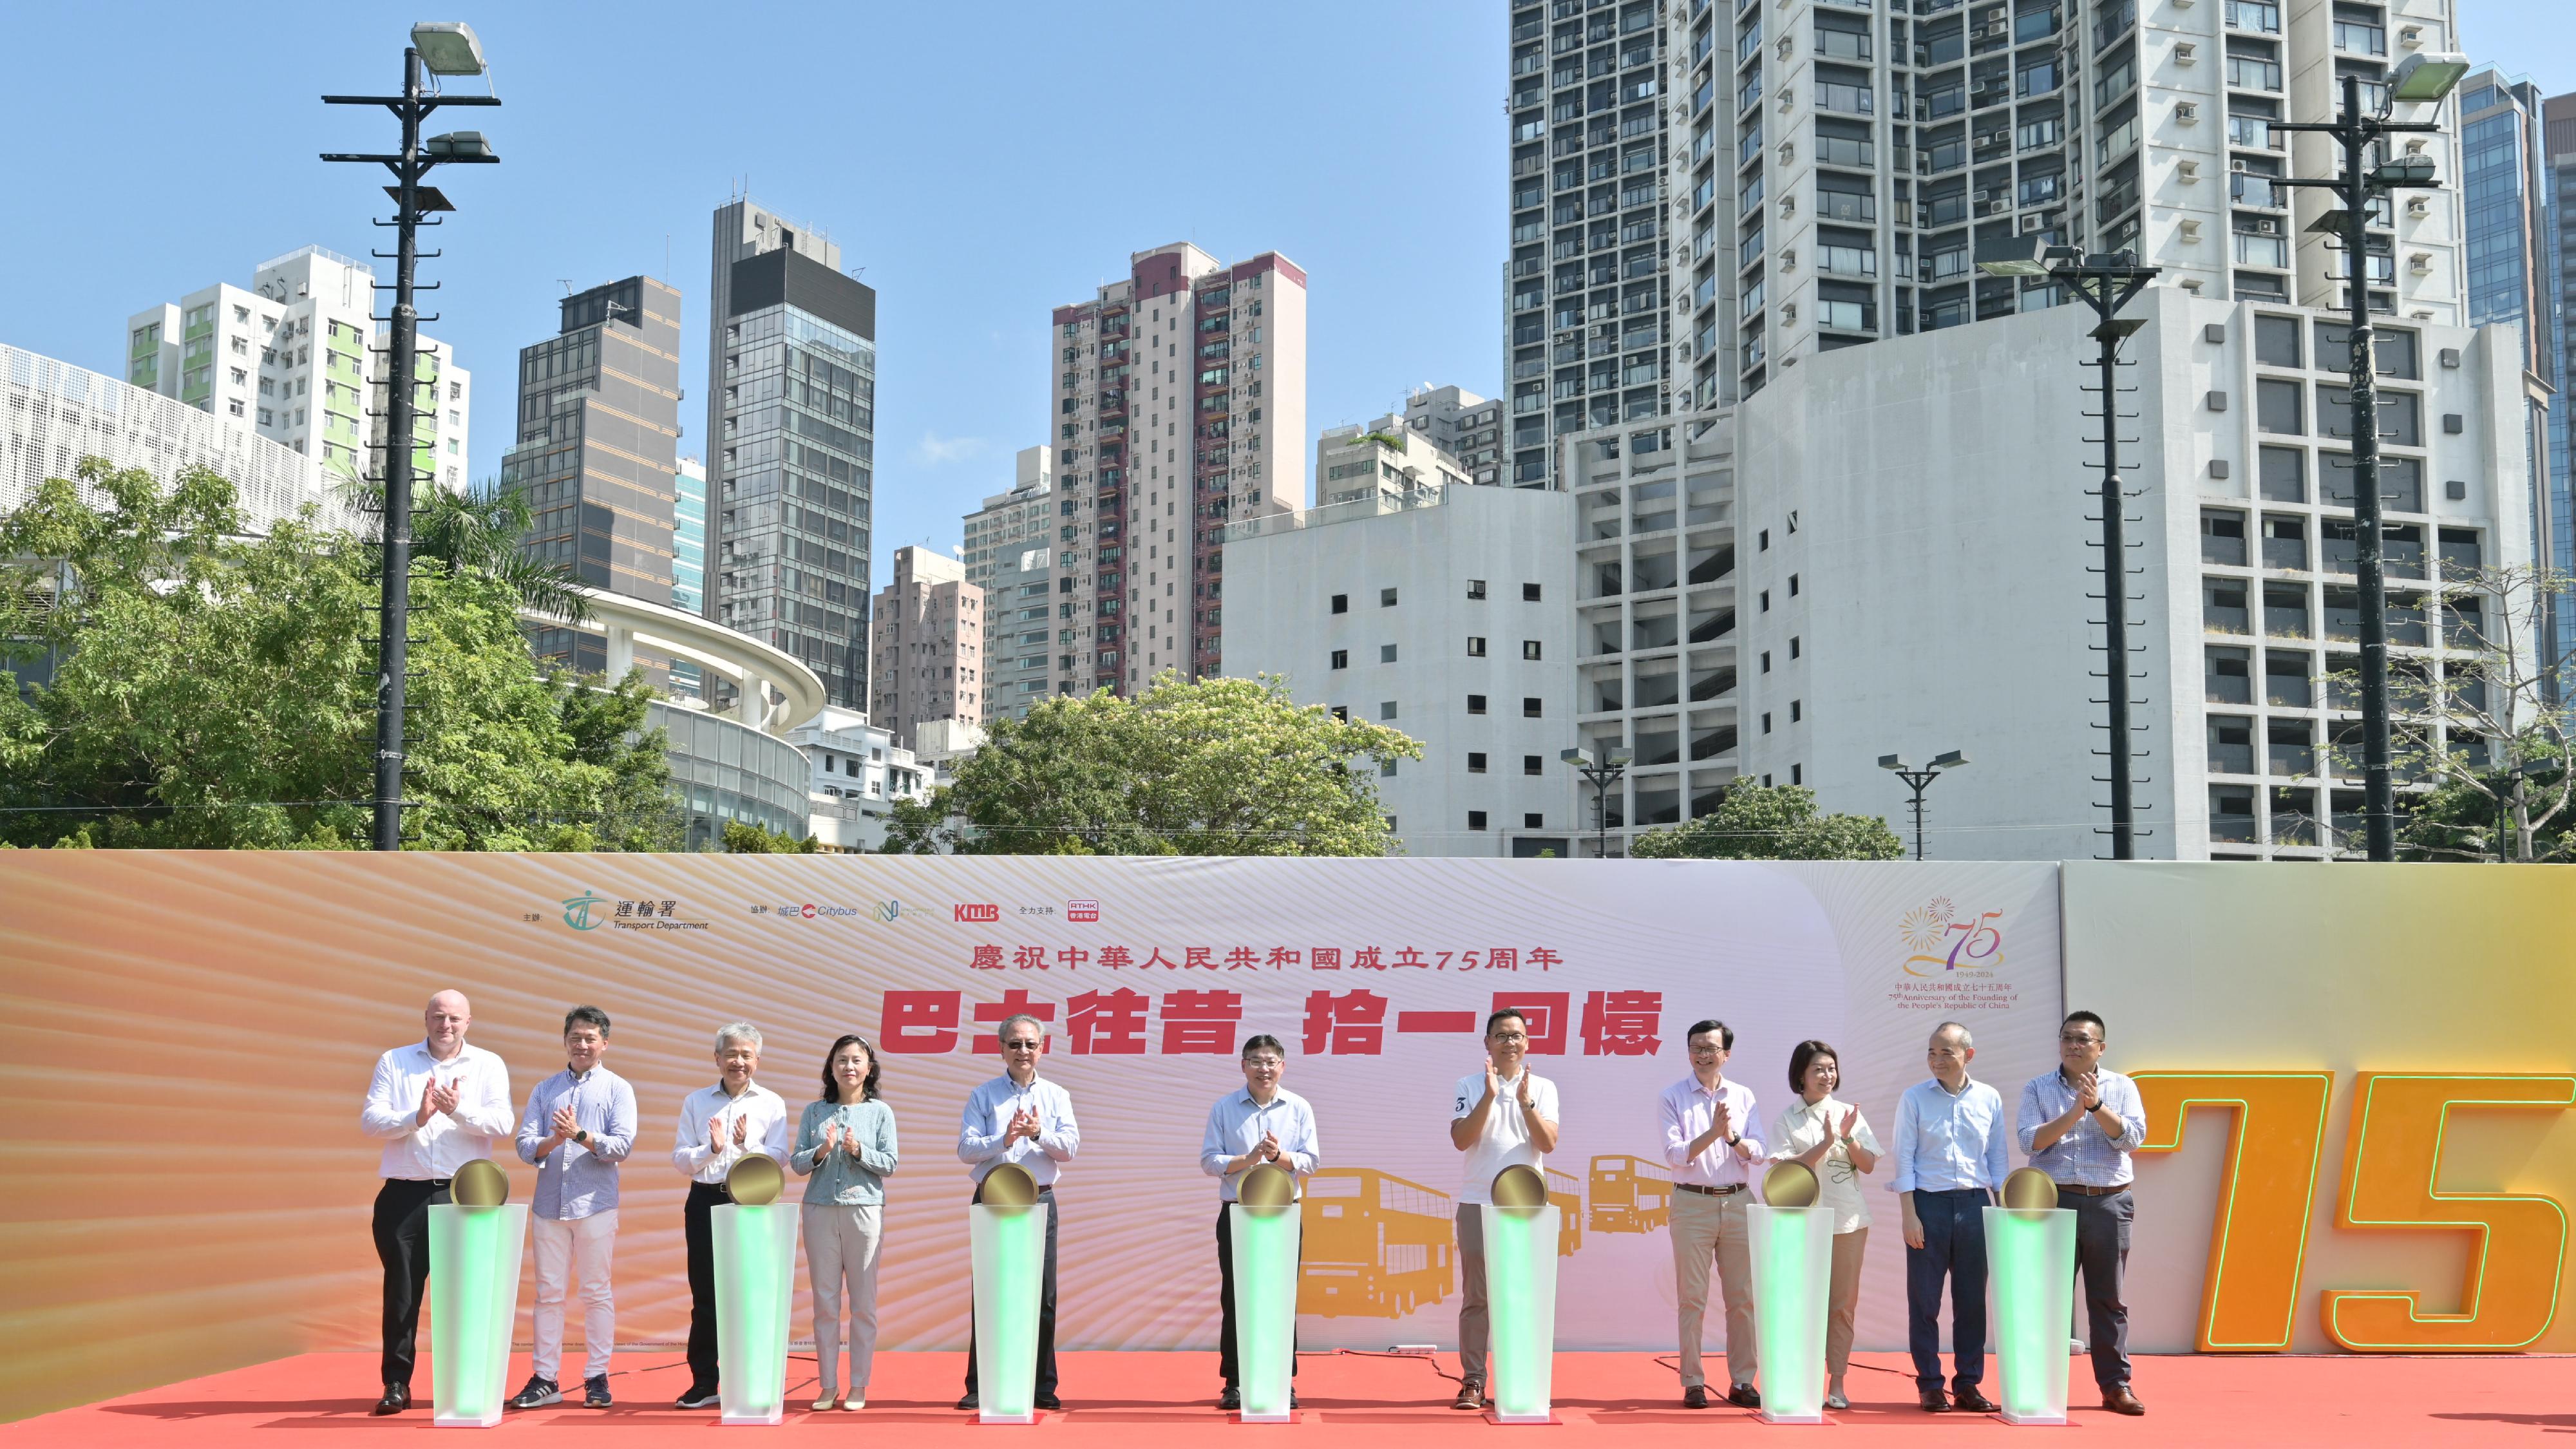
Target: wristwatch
(582, 1137)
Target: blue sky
(981, 162)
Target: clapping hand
(1851, 1119)
(831, 1139)
(741, 1130)
(1268, 1151)
(1721, 1125)
(1493, 1084)
(2088, 1091)
(428, 1104)
(715, 1134)
(566, 1125)
(1024, 1123)
(443, 1097)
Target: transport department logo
(578, 911)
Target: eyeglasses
(2081, 1040)
(1019, 1046)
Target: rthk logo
(979, 912)
(1082, 910)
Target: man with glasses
(1503, 1116)
(719, 1126)
(1709, 1142)
(1263, 1123)
(1950, 1162)
(2079, 1124)
(1017, 1117)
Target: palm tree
(480, 530)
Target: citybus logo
(980, 911)
(1944, 940)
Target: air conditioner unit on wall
(2266, 226)
(2186, 111)
(2033, 222)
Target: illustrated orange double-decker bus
(1376, 1246)
(1630, 1195)
(1565, 1194)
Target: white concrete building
(299, 357)
(858, 773)
(1011, 553)
(1463, 425)
(1888, 552)
(1358, 461)
(1441, 612)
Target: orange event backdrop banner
(189, 1037)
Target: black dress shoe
(1695, 1397)
(1049, 1402)
(1935, 1402)
(1970, 1401)
(1292, 1398)
(1744, 1396)
(1232, 1398)
(969, 1403)
(397, 1398)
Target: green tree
(744, 838)
(1756, 822)
(198, 688)
(1220, 767)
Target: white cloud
(934, 449)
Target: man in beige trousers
(1709, 1143)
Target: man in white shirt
(1504, 1116)
(437, 1104)
(719, 1126)
(1710, 1142)
(1019, 1117)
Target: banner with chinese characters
(258, 989)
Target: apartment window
(1766, 661)
(1763, 544)
(1342, 713)
(1386, 598)
(1797, 711)
(1793, 646)
(1529, 593)
(1793, 586)
(1475, 704)
(1475, 762)
(1533, 821)
(1797, 774)
(1766, 722)
(1341, 603)
(1475, 646)
(1476, 588)
(1529, 649)
(1386, 654)
(1341, 659)
(1532, 707)
(2231, 745)
(2284, 474)
(2227, 676)
(1533, 765)
(1386, 709)
(1475, 819)
(1386, 769)
(2277, 407)
(1766, 601)
(2222, 536)
(2276, 341)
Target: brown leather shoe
(1935, 1402)
(2121, 1401)
(1972, 1402)
(1471, 1396)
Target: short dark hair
(1514, 1012)
(591, 1015)
(1725, 1033)
(1803, 1056)
(2073, 1017)
(1261, 1042)
(876, 1067)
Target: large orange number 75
(2392, 1161)
(2260, 1238)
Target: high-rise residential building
(298, 355)
(1888, 553)
(1179, 398)
(1586, 285)
(597, 457)
(689, 564)
(1011, 554)
(1439, 609)
(1387, 456)
(2506, 184)
(1463, 425)
(928, 645)
(791, 439)
(1835, 165)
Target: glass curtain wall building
(792, 429)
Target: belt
(2080, 1190)
(1729, 1190)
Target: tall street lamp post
(2105, 283)
(443, 48)
(1919, 781)
(1603, 773)
(2423, 78)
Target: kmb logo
(980, 912)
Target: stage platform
(1153, 1400)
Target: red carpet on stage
(1135, 1400)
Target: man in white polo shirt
(1503, 1116)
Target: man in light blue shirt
(579, 1125)
(2079, 1124)
(1263, 1123)
(1950, 1159)
(1018, 1118)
